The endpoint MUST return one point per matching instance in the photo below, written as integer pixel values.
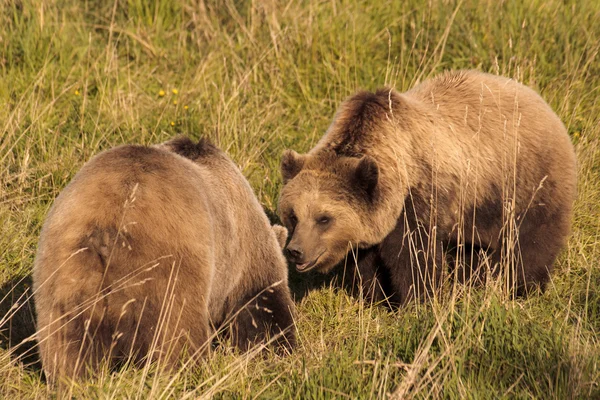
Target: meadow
(257, 77)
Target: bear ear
(281, 233)
(184, 146)
(366, 175)
(291, 165)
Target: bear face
(324, 204)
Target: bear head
(325, 204)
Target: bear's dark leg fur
(74, 344)
(407, 264)
(470, 263)
(541, 237)
(366, 279)
(264, 315)
(412, 256)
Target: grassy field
(257, 77)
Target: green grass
(257, 77)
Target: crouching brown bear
(150, 249)
(467, 170)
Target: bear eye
(323, 220)
(293, 219)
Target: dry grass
(258, 77)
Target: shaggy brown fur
(477, 162)
(281, 233)
(147, 251)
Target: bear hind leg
(72, 347)
(267, 315)
(169, 339)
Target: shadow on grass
(17, 322)
(301, 284)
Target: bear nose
(294, 253)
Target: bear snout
(294, 254)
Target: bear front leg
(412, 257)
(366, 276)
(266, 315)
(533, 257)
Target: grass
(258, 77)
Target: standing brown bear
(467, 165)
(147, 251)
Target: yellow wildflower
(175, 102)
(77, 93)
(161, 93)
(185, 107)
(172, 123)
(175, 91)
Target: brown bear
(466, 165)
(147, 252)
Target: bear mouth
(307, 266)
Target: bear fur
(467, 166)
(147, 252)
